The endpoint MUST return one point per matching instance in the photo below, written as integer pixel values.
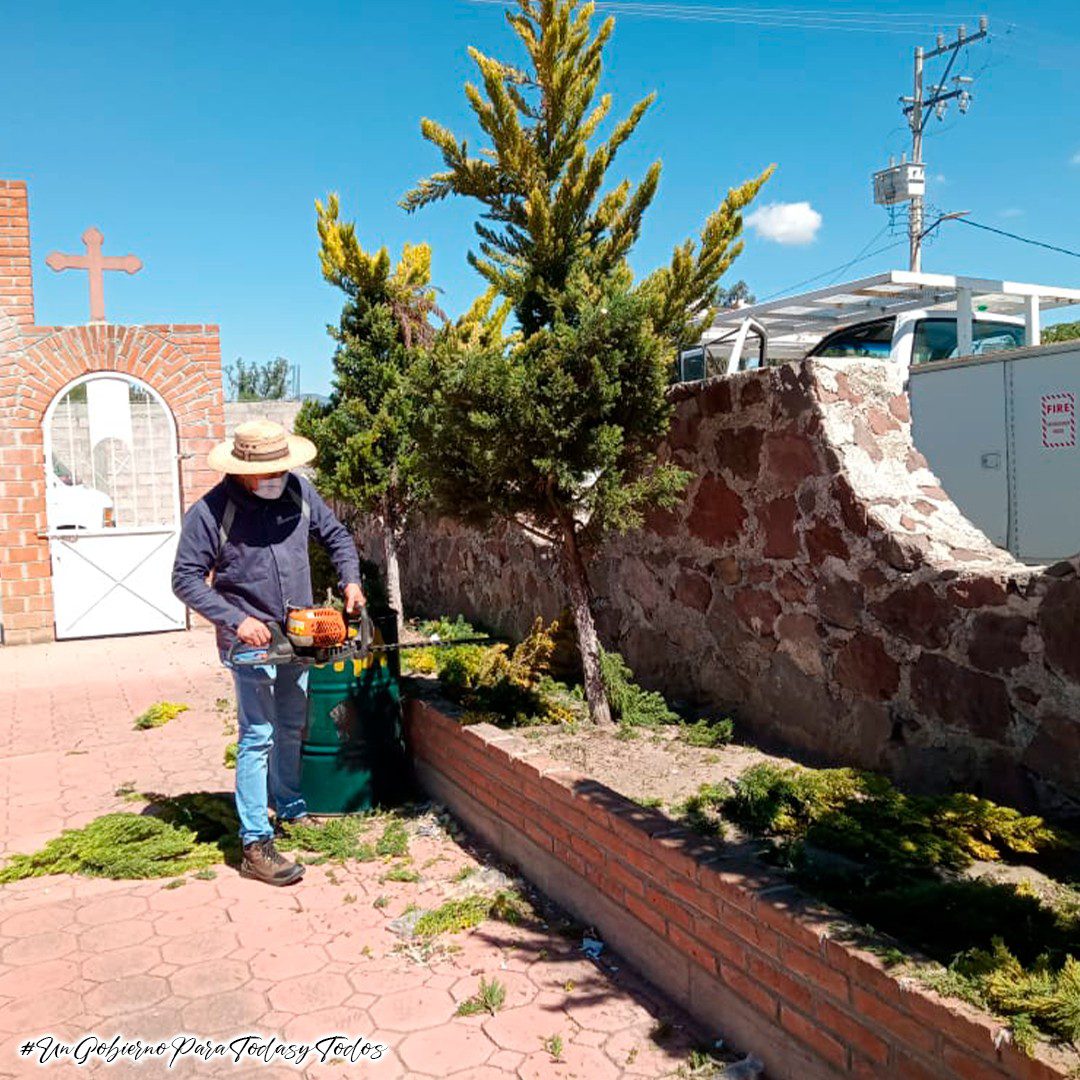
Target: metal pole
(915, 215)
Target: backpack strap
(300, 498)
(296, 493)
(224, 528)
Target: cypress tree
(555, 427)
(363, 432)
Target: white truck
(993, 410)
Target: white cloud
(1011, 212)
(786, 223)
(940, 178)
(1075, 159)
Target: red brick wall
(735, 945)
(16, 284)
(182, 363)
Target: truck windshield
(867, 339)
(935, 339)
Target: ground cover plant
(117, 846)
(906, 865)
(515, 687)
(178, 834)
(159, 713)
(509, 687)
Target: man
(251, 532)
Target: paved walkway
(223, 957)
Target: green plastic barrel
(353, 755)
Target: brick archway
(181, 363)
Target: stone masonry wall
(819, 583)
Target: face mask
(270, 487)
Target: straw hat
(261, 446)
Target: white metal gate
(113, 503)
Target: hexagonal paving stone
(576, 1061)
(604, 1013)
(120, 963)
(519, 988)
(447, 1049)
(224, 1014)
(506, 1060)
(39, 1012)
(349, 947)
(39, 948)
(638, 1054)
(212, 945)
(486, 1072)
(413, 1010)
(309, 993)
(122, 996)
(111, 909)
(523, 1028)
(194, 920)
(352, 1023)
(162, 1021)
(211, 976)
(365, 981)
(48, 976)
(117, 935)
(39, 920)
(283, 962)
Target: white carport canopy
(796, 323)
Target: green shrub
(401, 873)
(120, 846)
(230, 756)
(775, 801)
(394, 840)
(489, 998)
(866, 818)
(630, 704)
(1043, 999)
(708, 732)
(469, 911)
(159, 713)
(504, 687)
(338, 839)
(702, 811)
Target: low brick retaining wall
(734, 945)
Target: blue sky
(198, 138)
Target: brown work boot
(263, 862)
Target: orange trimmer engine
(320, 628)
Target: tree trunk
(577, 581)
(391, 535)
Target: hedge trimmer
(324, 636)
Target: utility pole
(906, 182)
(915, 212)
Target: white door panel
(113, 502)
(1045, 397)
(958, 423)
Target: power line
(835, 270)
(861, 252)
(1022, 239)
(772, 18)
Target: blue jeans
(272, 706)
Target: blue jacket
(261, 566)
